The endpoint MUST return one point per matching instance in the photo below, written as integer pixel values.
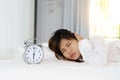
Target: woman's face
(70, 49)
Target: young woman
(73, 47)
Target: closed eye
(68, 44)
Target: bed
(52, 69)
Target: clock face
(33, 54)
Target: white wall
(16, 25)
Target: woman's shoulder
(84, 41)
(96, 38)
(92, 39)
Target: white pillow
(114, 51)
(6, 54)
(48, 54)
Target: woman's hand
(78, 36)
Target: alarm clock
(33, 53)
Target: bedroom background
(86, 17)
(16, 25)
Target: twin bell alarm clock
(33, 52)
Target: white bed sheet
(57, 70)
(52, 69)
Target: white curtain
(105, 19)
(16, 26)
(75, 16)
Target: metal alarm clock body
(33, 54)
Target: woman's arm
(93, 53)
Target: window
(104, 19)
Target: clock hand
(33, 55)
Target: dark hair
(54, 41)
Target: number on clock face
(34, 54)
